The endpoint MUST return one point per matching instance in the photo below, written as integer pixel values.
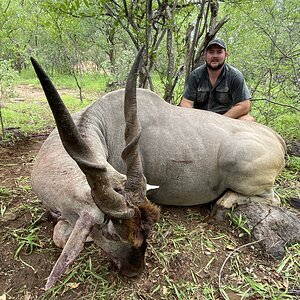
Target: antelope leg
(72, 248)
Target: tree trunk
(2, 124)
(170, 52)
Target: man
(216, 86)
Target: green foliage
(90, 82)
(94, 82)
(27, 76)
(287, 125)
(265, 46)
(7, 77)
(103, 36)
(284, 120)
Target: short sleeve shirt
(230, 89)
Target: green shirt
(230, 89)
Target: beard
(217, 67)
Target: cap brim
(215, 43)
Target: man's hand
(238, 110)
(186, 103)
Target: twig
(277, 103)
(227, 258)
(26, 264)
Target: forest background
(102, 37)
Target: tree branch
(277, 103)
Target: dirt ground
(15, 168)
(23, 272)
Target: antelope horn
(135, 187)
(109, 201)
(67, 129)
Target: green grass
(249, 280)
(6, 197)
(183, 262)
(287, 183)
(32, 116)
(28, 237)
(92, 82)
(287, 125)
(35, 116)
(243, 277)
(4, 192)
(238, 221)
(23, 183)
(27, 76)
(86, 272)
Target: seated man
(218, 87)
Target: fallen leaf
(230, 247)
(73, 285)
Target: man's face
(215, 57)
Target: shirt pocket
(201, 97)
(222, 95)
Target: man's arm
(238, 110)
(186, 103)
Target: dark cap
(216, 41)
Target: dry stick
(235, 250)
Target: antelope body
(191, 156)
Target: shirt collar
(221, 76)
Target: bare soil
(15, 166)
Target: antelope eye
(119, 191)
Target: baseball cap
(216, 41)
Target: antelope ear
(150, 214)
(152, 187)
